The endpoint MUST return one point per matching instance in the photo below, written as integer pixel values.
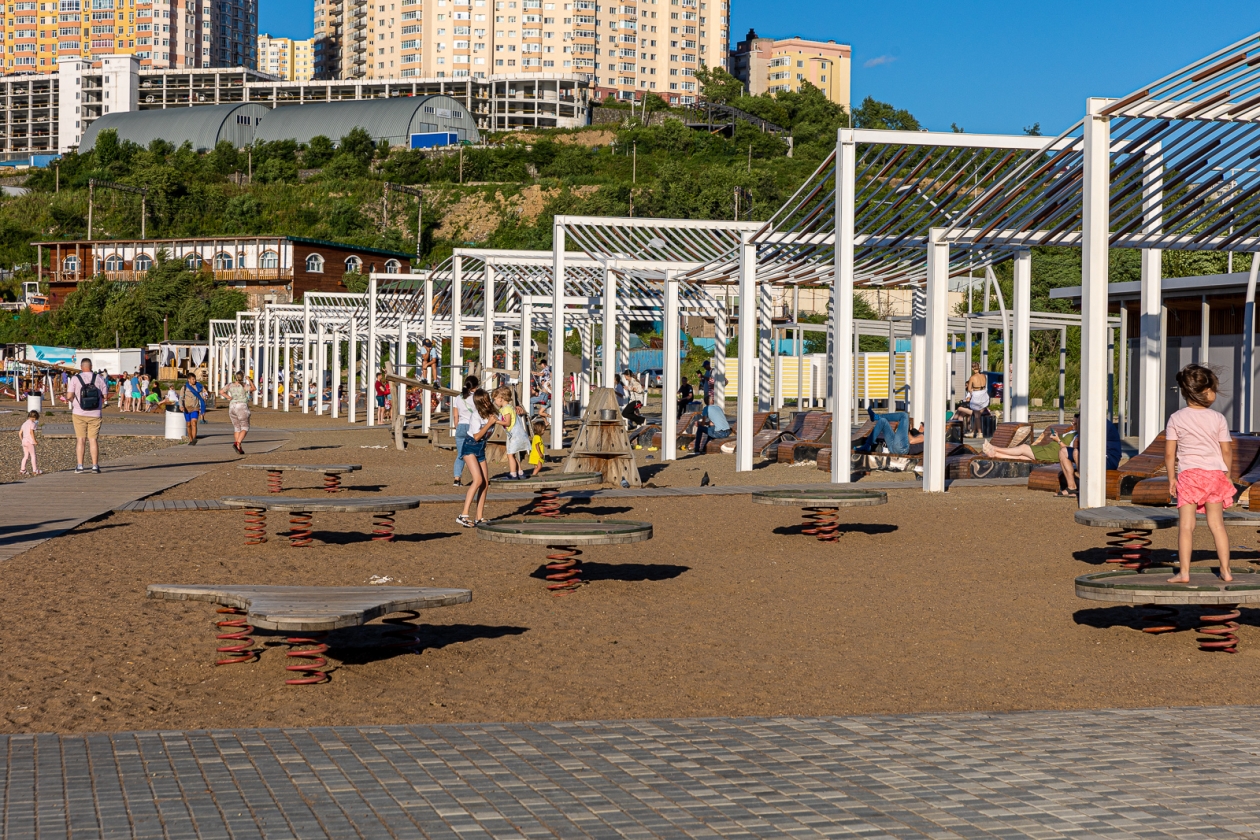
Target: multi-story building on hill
(767, 65)
(159, 33)
(627, 49)
(285, 58)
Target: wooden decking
(39, 509)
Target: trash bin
(174, 424)
(988, 425)
(35, 402)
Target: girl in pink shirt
(27, 434)
(1197, 457)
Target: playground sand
(962, 601)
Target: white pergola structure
(1170, 166)
(668, 249)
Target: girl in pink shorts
(1197, 456)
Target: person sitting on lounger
(1051, 447)
(896, 439)
(711, 424)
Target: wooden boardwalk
(39, 509)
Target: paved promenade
(1186, 774)
(41, 508)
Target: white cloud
(878, 60)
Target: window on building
(193, 261)
(70, 265)
(269, 259)
(392, 266)
(223, 261)
(353, 264)
(315, 264)
(142, 262)
(113, 263)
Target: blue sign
(433, 139)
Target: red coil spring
(312, 673)
(383, 526)
(332, 482)
(1161, 619)
(255, 526)
(1221, 629)
(547, 502)
(404, 634)
(563, 565)
(299, 529)
(241, 652)
(275, 481)
(822, 522)
(1129, 548)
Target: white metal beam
(1096, 184)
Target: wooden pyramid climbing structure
(602, 444)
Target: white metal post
(719, 355)
(487, 324)
(623, 345)
(936, 367)
(1021, 337)
(400, 409)
(747, 361)
(1095, 233)
(426, 411)
(255, 373)
(1149, 370)
(370, 357)
(608, 352)
(917, 405)
(765, 353)
(274, 382)
(306, 354)
(526, 366)
(336, 373)
(352, 372)
(288, 371)
(670, 364)
(457, 331)
(842, 305)
(557, 337)
(319, 369)
(261, 371)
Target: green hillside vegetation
(503, 195)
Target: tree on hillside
(876, 114)
(716, 85)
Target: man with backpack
(87, 392)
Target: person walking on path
(382, 394)
(88, 391)
(192, 401)
(238, 392)
(461, 410)
(27, 434)
(482, 421)
(1197, 454)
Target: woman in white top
(481, 421)
(462, 409)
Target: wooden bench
(275, 473)
(953, 444)
(815, 432)
(1154, 491)
(982, 466)
(1120, 482)
(761, 421)
(301, 509)
(310, 612)
(764, 441)
(1006, 434)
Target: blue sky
(983, 64)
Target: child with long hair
(27, 434)
(514, 422)
(483, 420)
(1197, 456)
(462, 409)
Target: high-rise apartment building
(286, 58)
(159, 33)
(627, 49)
(767, 65)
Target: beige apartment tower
(627, 49)
(286, 58)
(767, 65)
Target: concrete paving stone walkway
(1177, 773)
(39, 509)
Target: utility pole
(419, 209)
(634, 169)
(461, 164)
